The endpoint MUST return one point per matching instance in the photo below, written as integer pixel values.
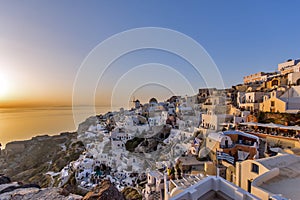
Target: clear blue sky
(42, 43)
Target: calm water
(24, 123)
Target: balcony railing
(236, 143)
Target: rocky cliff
(29, 161)
(131, 194)
(150, 143)
(105, 191)
(279, 118)
(18, 191)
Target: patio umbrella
(295, 128)
(249, 123)
(272, 125)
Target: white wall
(217, 184)
(293, 77)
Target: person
(172, 173)
(169, 171)
(178, 170)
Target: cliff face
(105, 191)
(84, 126)
(149, 144)
(28, 161)
(279, 118)
(131, 194)
(37, 193)
(17, 191)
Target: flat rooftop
(216, 195)
(190, 161)
(281, 161)
(212, 187)
(286, 183)
(188, 180)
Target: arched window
(274, 82)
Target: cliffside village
(236, 143)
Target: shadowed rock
(105, 191)
(36, 193)
(14, 187)
(4, 179)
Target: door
(249, 185)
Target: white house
(218, 139)
(249, 100)
(206, 188)
(270, 178)
(215, 121)
(154, 189)
(294, 78)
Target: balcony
(242, 142)
(227, 147)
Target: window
(255, 168)
(274, 82)
(272, 103)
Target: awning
(241, 133)
(271, 125)
(243, 155)
(249, 123)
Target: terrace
(292, 132)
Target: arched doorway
(274, 82)
(298, 82)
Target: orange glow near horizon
(28, 89)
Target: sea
(24, 123)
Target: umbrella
(295, 128)
(249, 123)
(271, 125)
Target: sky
(44, 44)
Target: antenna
(132, 102)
